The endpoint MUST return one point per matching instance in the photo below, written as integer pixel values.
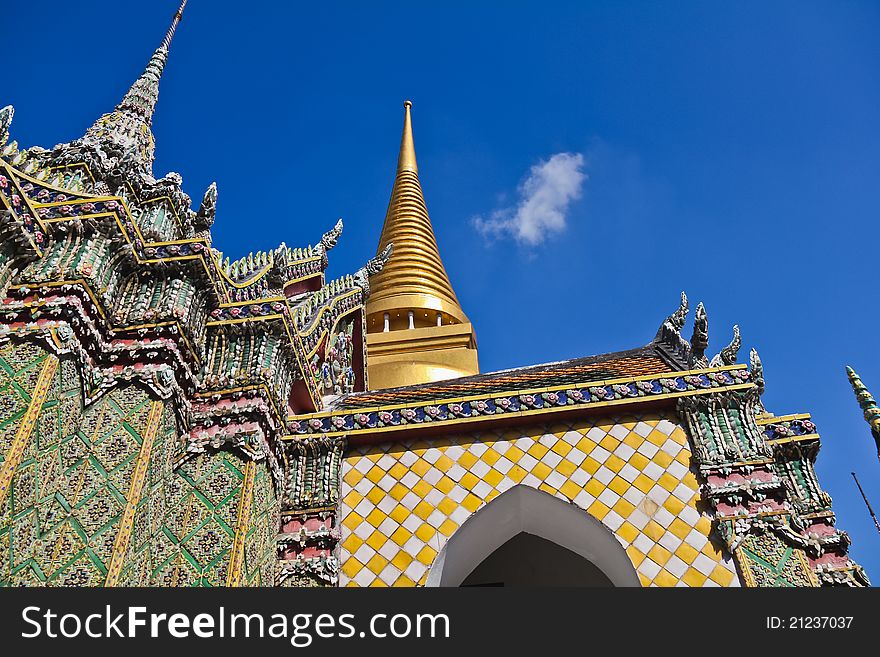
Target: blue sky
(729, 150)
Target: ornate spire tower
(868, 404)
(416, 330)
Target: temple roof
(634, 362)
(414, 277)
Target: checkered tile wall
(402, 501)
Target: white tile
(663, 517)
(638, 519)
(689, 515)
(666, 427)
(364, 553)
(671, 447)
(556, 479)
(388, 526)
(612, 520)
(407, 458)
(501, 446)
(436, 518)
(580, 477)
(676, 566)
(410, 479)
(704, 564)
(504, 484)
(412, 523)
(432, 476)
(386, 504)
(389, 574)
(482, 489)
(696, 540)
(410, 500)
(364, 577)
(524, 443)
(648, 449)
(364, 507)
(548, 440)
(431, 455)
(551, 459)
(643, 543)
(480, 468)
(531, 480)
(527, 462)
(389, 550)
(624, 451)
(572, 437)
(670, 541)
(608, 497)
(478, 449)
(683, 493)
(363, 530)
(583, 499)
(457, 494)
(643, 429)
(413, 545)
(456, 472)
(596, 434)
(600, 454)
(604, 475)
(629, 473)
(658, 494)
(649, 569)
(634, 496)
(576, 456)
(677, 470)
(460, 515)
(387, 482)
(503, 465)
(386, 461)
(434, 497)
(653, 471)
(454, 452)
(415, 570)
(619, 431)
(363, 486)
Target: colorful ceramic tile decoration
(171, 417)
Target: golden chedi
(416, 330)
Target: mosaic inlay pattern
(401, 502)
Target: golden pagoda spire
(413, 293)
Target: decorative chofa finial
(757, 370)
(700, 337)
(727, 356)
(868, 404)
(6, 115)
(675, 322)
(331, 237)
(361, 277)
(208, 208)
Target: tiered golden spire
(416, 330)
(414, 278)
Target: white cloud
(544, 198)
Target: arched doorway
(526, 537)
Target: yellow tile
(352, 520)
(635, 555)
(623, 508)
(659, 554)
(665, 578)
(679, 436)
(653, 530)
(375, 474)
(420, 467)
(684, 457)
(674, 505)
(375, 455)
(693, 577)
(398, 470)
(598, 510)
(570, 489)
(352, 477)
(352, 499)
(591, 465)
(633, 440)
(447, 506)
(375, 494)
(566, 468)
(353, 542)
(656, 437)
(421, 488)
(690, 480)
(541, 471)
(447, 527)
(445, 485)
(376, 540)
(399, 513)
(561, 447)
(490, 456)
(425, 532)
(377, 563)
(619, 485)
(627, 531)
(469, 480)
(398, 491)
(609, 442)
(514, 454)
(426, 555)
(471, 502)
(352, 567)
(467, 460)
(538, 450)
(547, 488)
(401, 535)
(644, 580)
(516, 474)
(668, 482)
(639, 461)
(594, 487)
(403, 581)
(680, 528)
(644, 483)
(423, 510)
(586, 445)
(378, 583)
(704, 525)
(662, 459)
(721, 575)
(493, 477)
(401, 561)
(443, 463)
(686, 553)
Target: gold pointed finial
(406, 161)
(413, 292)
